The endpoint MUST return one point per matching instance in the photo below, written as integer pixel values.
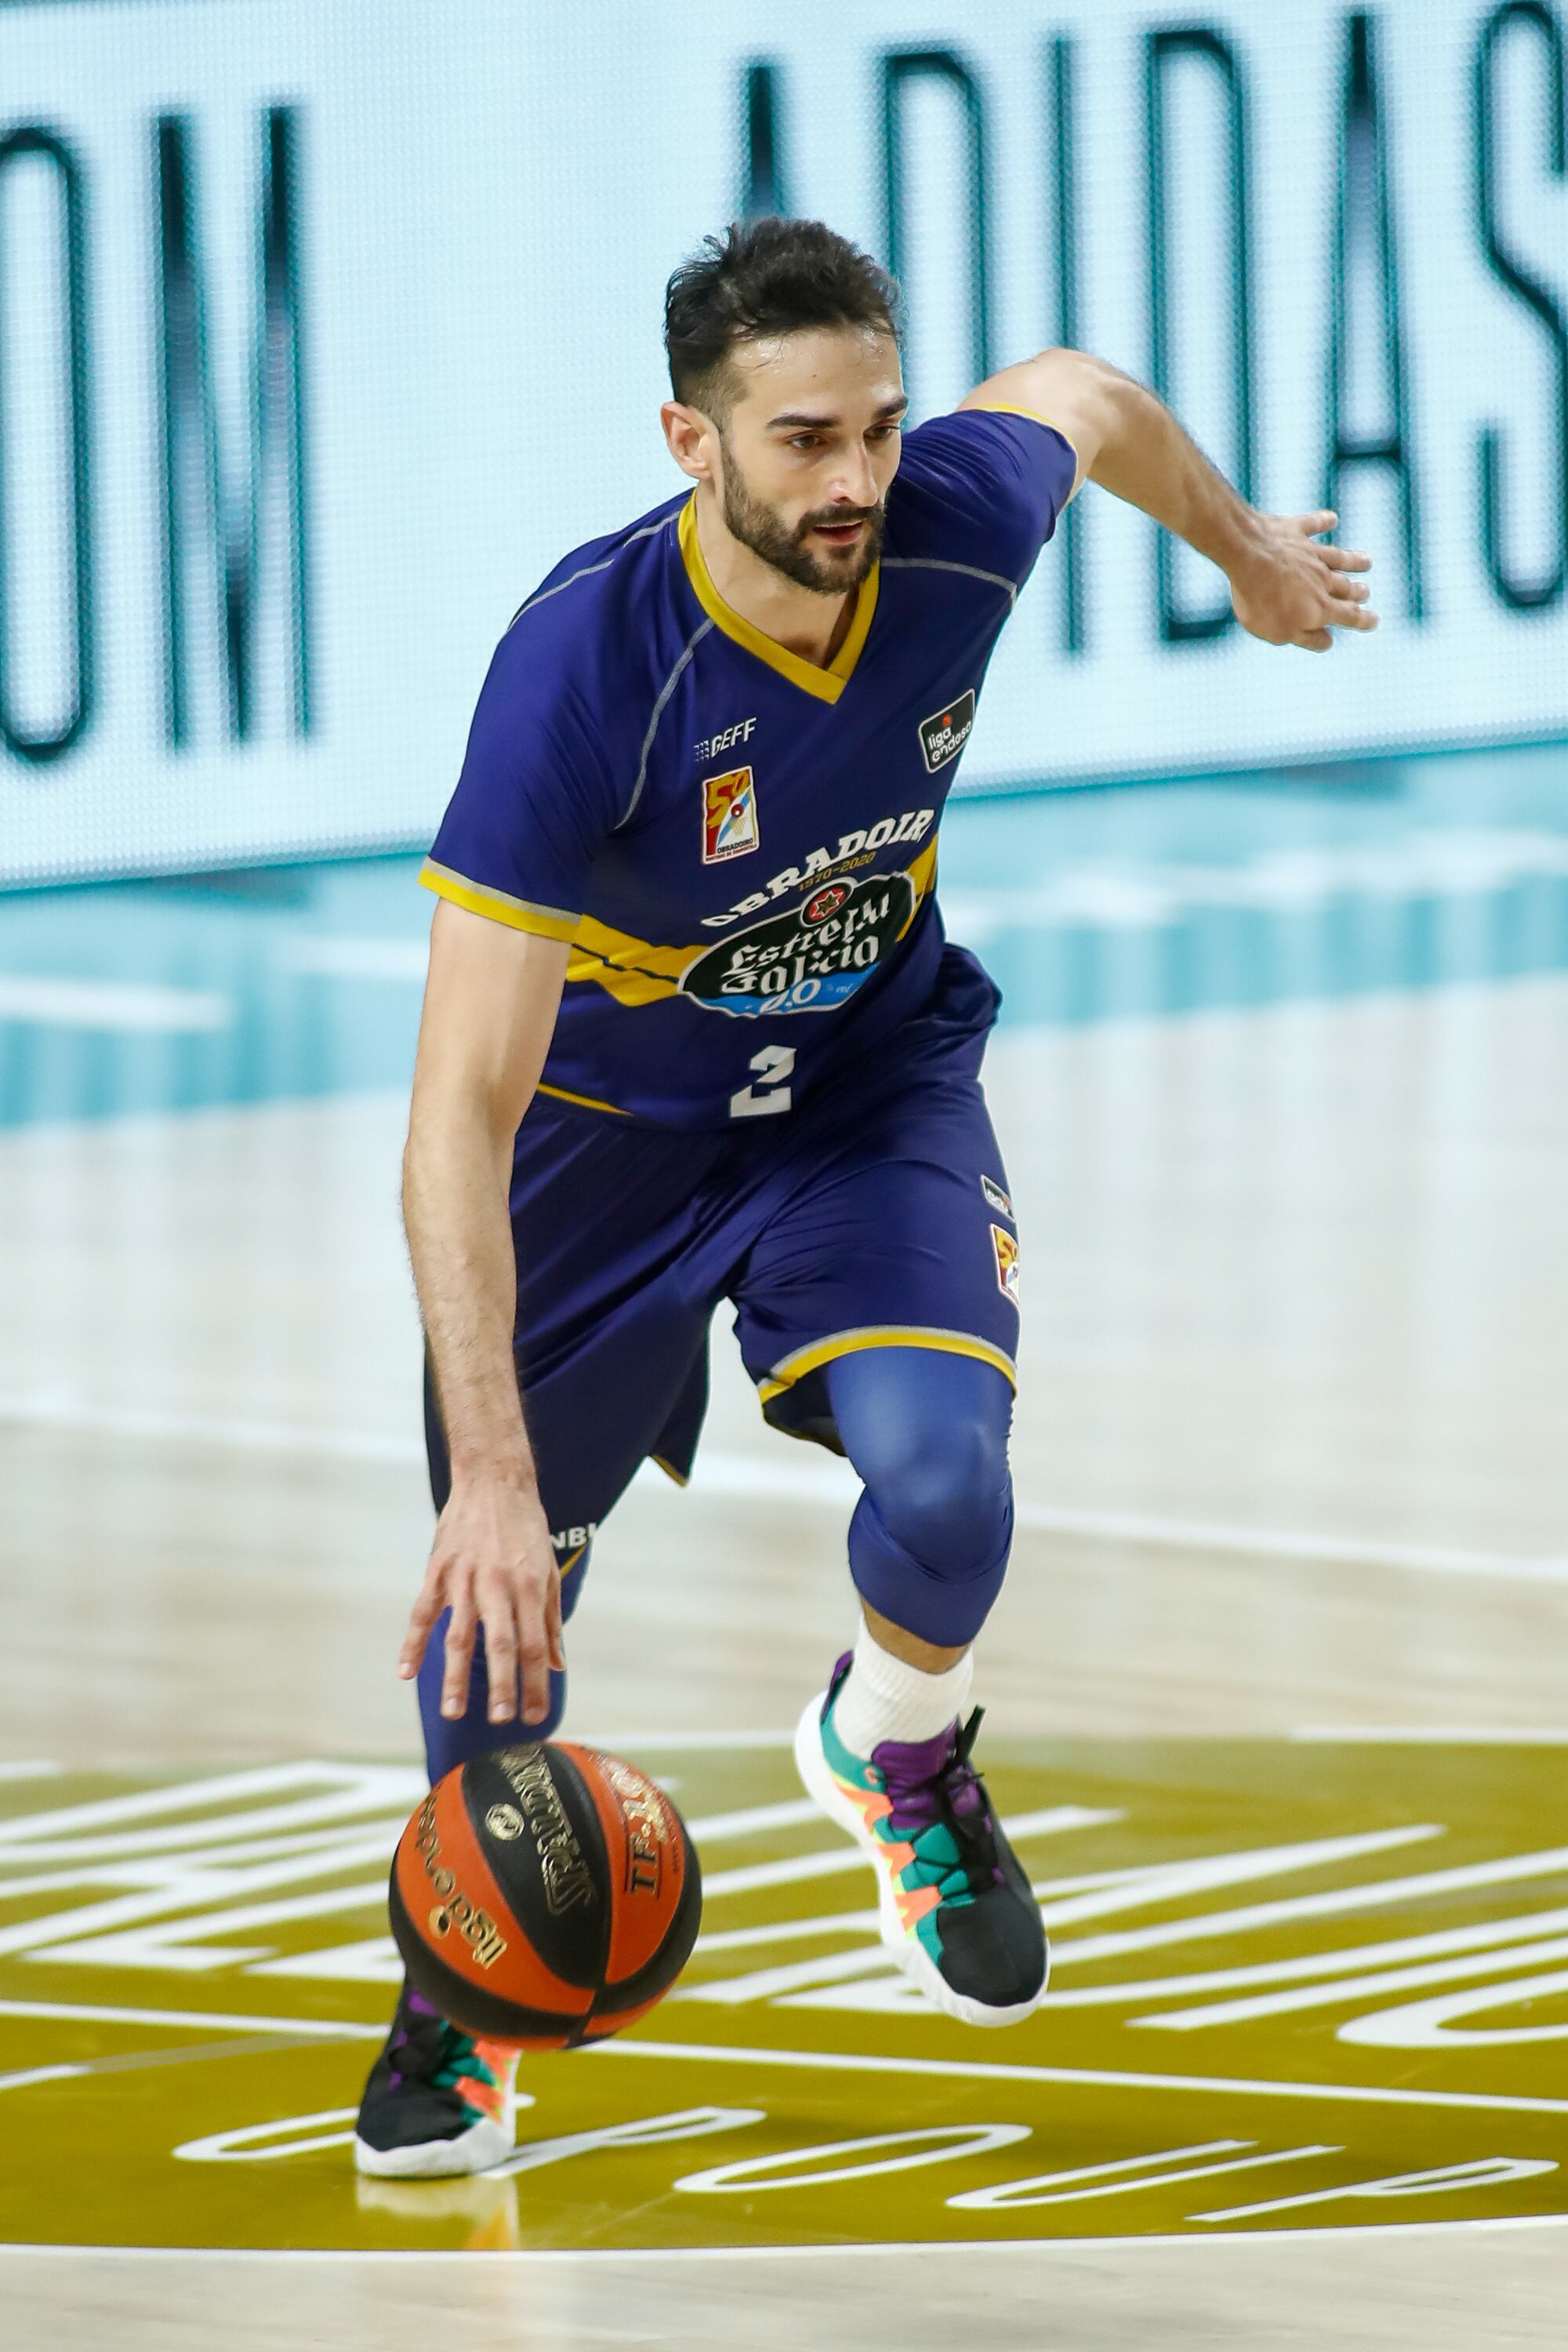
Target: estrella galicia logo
(945, 734)
(810, 961)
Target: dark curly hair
(765, 278)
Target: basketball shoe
(437, 2102)
(957, 1912)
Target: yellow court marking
(1295, 1988)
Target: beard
(787, 549)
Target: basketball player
(691, 1033)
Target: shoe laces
(953, 1798)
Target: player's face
(810, 445)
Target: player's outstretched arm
(490, 1003)
(1286, 586)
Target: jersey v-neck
(826, 684)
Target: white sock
(883, 1698)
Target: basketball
(546, 1895)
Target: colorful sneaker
(958, 1914)
(437, 2102)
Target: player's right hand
(1292, 587)
(493, 1564)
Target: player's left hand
(1292, 589)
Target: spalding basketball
(546, 1895)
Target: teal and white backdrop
(325, 329)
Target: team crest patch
(1006, 1250)
(728, 816)
(998, 1198)
(945, 734)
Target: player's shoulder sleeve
(542, 785)
(982, 488)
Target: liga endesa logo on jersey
(945, 734)
(728, 816)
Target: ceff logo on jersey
(728, 816)
(945, 734)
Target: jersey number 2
(770, 1093)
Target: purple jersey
(741, 846)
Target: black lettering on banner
(1363, 210)
(39, 744)
(901, 67)
(1199, 45)
(1512, 587)
(1061, 146)
(195, 474)
(764, 182)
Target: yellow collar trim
(828, 684)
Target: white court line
(824, 1923)
(111, 1004)
(1041, 2250)
(1309, 1966)
(833, 2062)
(359, 1789)
(1097, 2078)
(794, 1813)
(89, 2013)
(1427, 1735)
(1050, 1822)
(1352, 1985)
(31, 2074)
(1369, 1895)
(33, 1770)
(826, 1485)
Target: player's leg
(927, 1431)
(886, 1749)
(879, 1316)
(612, 1369)
(440, 2101)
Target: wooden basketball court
(1276, 1695)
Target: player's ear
(691, 435)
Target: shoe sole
(482, 2145)
(907, 1952)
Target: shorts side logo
(1006, 1250)
(998, 1199)
(728, 816)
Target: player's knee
(933, 1557)
(946, 1497)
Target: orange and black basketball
(546, 1895)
